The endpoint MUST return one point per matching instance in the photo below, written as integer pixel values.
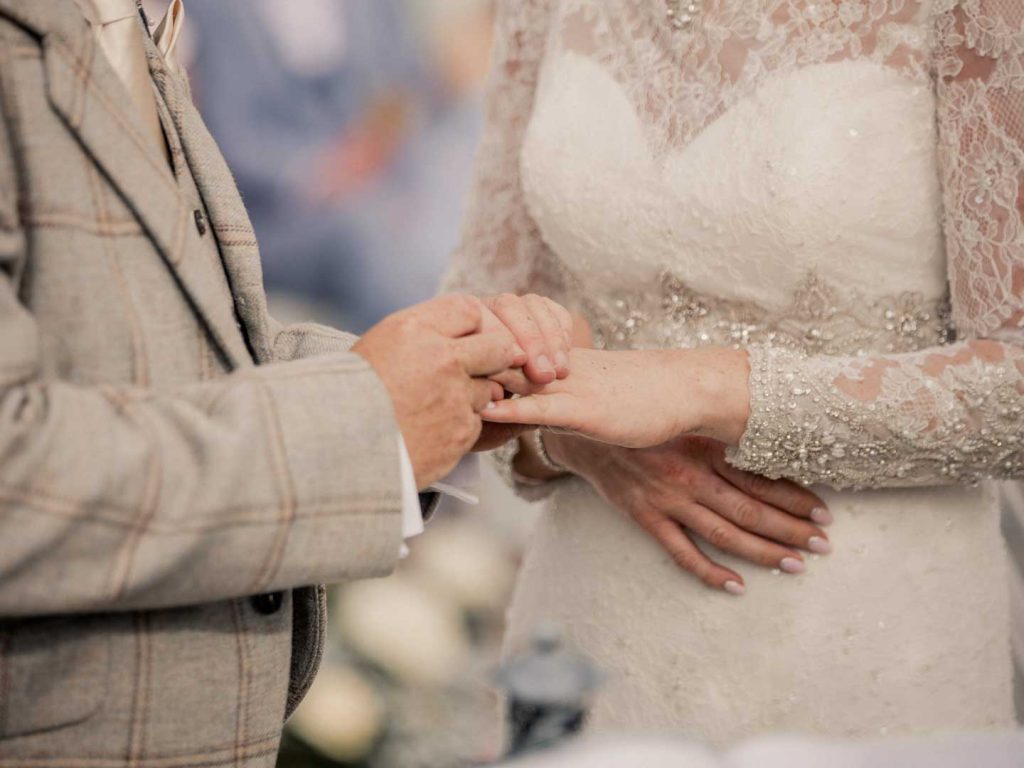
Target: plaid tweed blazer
(166, 450)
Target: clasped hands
(647, 429)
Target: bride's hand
(545, 332)
(542, 328)
(642, 398)
(685, 488)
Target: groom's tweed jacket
(159, 463)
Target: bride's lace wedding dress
(837, 185)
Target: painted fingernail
(821, 516)
(561, 360)
(819, 545)
(792, 565)
(735, 588)
(544, 363)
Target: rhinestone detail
(818, 319)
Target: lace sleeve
(950, 414)
(501, 249)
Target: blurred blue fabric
(386, 245)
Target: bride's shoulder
(523, 25)
(526, 9)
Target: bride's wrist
(577, 454)
(534, 462)
(716, 393)
(561, 449)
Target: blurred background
(351, 127)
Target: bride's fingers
(518, 318)
(782, 494)
(514, 380)
(723, 535)
(556, 409)
(565, 321)
(755, 516)
(689, 558)
(554, 334)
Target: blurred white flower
(408, 630)
(341, 715)
(467, 565)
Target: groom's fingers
(497, 391)
(482, 394)
(453, 316)
(485, 354)
(689, 558)
(491, 323)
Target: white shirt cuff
(412, 514)
(460, 480)
(466, 474)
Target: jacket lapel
(86, 92)
(228, 217)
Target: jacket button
(267, 604)
(200, 222)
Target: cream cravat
(168, 31)
(116, 24)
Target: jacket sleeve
(304, 340)
(116, 497)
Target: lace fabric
(874, 391)
(501, 248)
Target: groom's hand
(434, 358)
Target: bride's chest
(814, 194)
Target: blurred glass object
(549, 690)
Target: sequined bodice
(820, 318)
(797, 218)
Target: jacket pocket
(54, 672)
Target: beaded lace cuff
(503, 459)
(930, 423)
